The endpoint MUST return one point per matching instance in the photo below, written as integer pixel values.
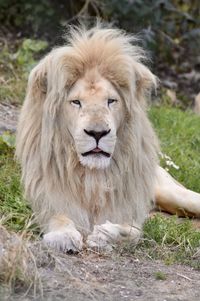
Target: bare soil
(93, 276)
(8, 117)
(90, 276)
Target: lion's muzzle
(97, 135)
(95, 145)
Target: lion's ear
(146, 81)
(37, 82)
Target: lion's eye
(110, 101)
(76, 103)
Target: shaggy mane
(54, 180)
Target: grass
(179, 136)
(160, 276)
(18, 269)
(13, 78)
(168, 239)
(14, 211)
(171, 240)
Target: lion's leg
(62, 235)
(105, 235)
(174, 198)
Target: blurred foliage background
(169, 30)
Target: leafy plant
(165, 25)
(25, 55)
(8, 139)
(16, 64)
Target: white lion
(87, 149)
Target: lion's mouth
(96, 151)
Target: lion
(88, 151)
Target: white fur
(173, 197)
(95, 161)
(68, 239)
(94, 66)
(104, 236)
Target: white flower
(168, 161)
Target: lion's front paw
(99, 240)
(65, 240)
(106, 235)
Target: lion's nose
(97, 135)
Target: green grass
(179, 134)
(14, 211)
(160, 275)
(167, 239)
(171, 240)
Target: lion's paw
(103, 237)
(67, 240)
(106, 235)
(99, 240)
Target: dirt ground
(90, 276)
(93, 276)
(8, 117)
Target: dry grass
(18, 268)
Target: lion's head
(83, 125)
(94, 112)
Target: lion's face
(95, 112)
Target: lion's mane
(54, 180)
